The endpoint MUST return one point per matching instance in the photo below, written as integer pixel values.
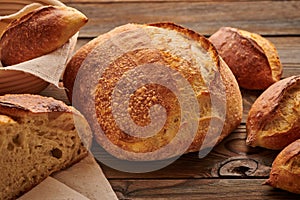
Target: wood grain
(144, 1)
(198, 189)
(265, 17)
(231, 158)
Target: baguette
(39, 32)
(37, 137)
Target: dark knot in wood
(238, 167)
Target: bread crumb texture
(37, 138)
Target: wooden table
(232, 170)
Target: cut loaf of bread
(38, 136)
(274, 118)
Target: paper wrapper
(34, 75)
(84, 180)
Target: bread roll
(125, 59)
(285, 173)
(37, 137)
(39, 32)
(274, 118)
(252, 58)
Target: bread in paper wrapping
(39, 32)
(38, 136)
(34, 75)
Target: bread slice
(39, 32)
(127, 48)
(274, 118)
(285, 173)
(52, 189)
(252, 58)
(38, 136)
(87, 178)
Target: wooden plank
(144, 1)
(231, 158)
(198, 189)
(265, 17)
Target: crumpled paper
(48, 67)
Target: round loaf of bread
(252, 58)
(285, 173)
(154, 91)
(274, 120)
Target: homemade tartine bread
(37, 137)
(252, 58)
(285, 173)
(39, 32)
(274, 118)
(123, 51)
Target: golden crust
(130, 60)
(253, 59)
(31, 103)
(75, 63)
(285, 173)
(191, 34)
(267, 118)
(234, 108)
(39, 32)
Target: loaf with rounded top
(39, 32)
(38, 136)
(274, 118)
(252, 58)
(285, 173)
(170, 45)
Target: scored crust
(274, 117)
(39, 32)
(182, 59)
(38, 136)
(253, 59)
(285, 173)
